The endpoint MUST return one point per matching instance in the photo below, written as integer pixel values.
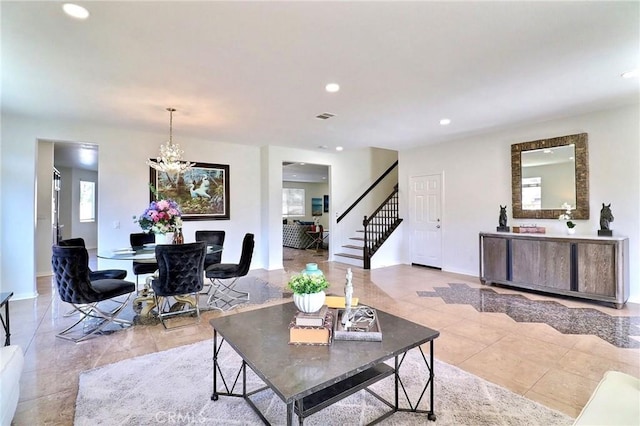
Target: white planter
(571, 231)
(309, 302)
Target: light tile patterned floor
(531, 358)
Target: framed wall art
(326, 203)
(316, 207)
(202, 192)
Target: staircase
(377, 229)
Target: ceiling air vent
(325, 115)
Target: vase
(571, 231)
(312, 269)
(164, 238)
(310, 302)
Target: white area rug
(175, 386)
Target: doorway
(58, 211)
(425, 220)
(305, 202)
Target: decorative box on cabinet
(593, 268)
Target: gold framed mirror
(547, 173)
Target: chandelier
(170, 159)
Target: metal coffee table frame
(315, 398)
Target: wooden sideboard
(594, 268)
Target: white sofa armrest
(614, 402)
(11, 364)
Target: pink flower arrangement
(161, 217)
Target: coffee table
(260, 337)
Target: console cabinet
(594, 268)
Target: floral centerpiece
(161, 217)
(308, 291)
(567, 216)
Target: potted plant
(308, 291)
(567, 216)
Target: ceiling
(75, 155)
(254, 72)
(304, 172)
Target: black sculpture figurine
(605, 218)
(502, 220)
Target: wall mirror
(547, 173)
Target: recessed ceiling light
(547, 151)
(630, 74)
(445, 122)
(302, 164)
(332, 87)
(339, 148)
(75, 11)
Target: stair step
(351, 256)
(356, 238)
(351, 246)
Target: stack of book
(312, 328)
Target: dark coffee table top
(261, 338)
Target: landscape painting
(201, 192)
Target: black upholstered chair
(71, 271)
(180, 277)
(139, 239)
(211, 238)
(223, 294)
(116, 274)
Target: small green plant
(307, 284)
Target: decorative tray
(365, 326)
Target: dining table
(146, 253)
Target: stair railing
(367, 191)
(379, 226)
(384, 220)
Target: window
(292, 202)
(87, 201)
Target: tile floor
(533, 359)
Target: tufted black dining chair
(180, 277)
(117, 274)
(211, 238)
(71, 271)
(139, 239)
(224, 294)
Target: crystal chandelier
(170, 159)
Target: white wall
(65, 200)
(477, 180)
(123, 190)
(350, 173)
(255, 176)
(44, 230)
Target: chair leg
(91, 310)
(166, 310)
(224, 295)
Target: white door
(425, 220)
